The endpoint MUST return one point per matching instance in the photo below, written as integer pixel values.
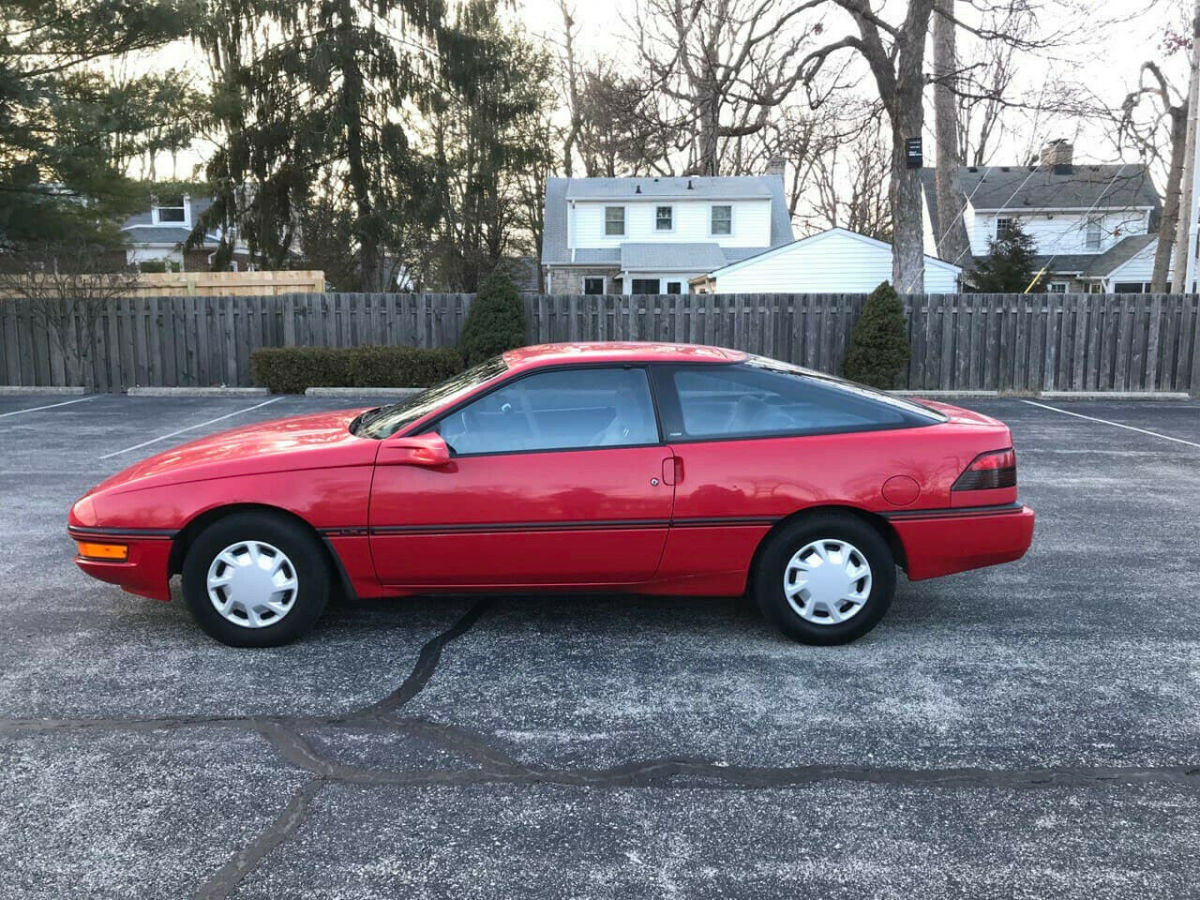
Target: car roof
(618, 351)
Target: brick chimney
(776, 165)
(1059, 155)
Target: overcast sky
(1107, 61)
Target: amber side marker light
(117, 552)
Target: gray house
(653, 235)
(1094, 226)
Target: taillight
(996, 469)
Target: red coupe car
(650, 468)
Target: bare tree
(849, 183)
(1188, 177)
(721, 67)
(570, 89)
(895, 55)
(1170, 110)
(952, 243)
(68, 288)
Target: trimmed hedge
(878, 351)
(289, 370)
(496, 321)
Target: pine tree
(879, 350)
(496, 321)
(1009, 266)
(314, 92)
(67, 128)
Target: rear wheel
(256, 580)
(825, 579)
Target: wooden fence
(1007, 342)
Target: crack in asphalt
(226, 879)
(286, 736)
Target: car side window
(748, 401)
(563, 409)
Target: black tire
(306, 554)
(772, 566)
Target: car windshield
(387, 420)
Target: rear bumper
(941, 542)
(145, 572)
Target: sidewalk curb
(20, 390)
(198, 392)
(1045, 395)
(949, 395)
(1114, 395)
(397, 392)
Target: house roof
(817, 238)
(1035, 188)
(732, 187)
(523, 270)
(1092, 265)
(140, 228)
(662, 256)
(560, 191)
(1119, 253)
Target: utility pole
(1189, 201)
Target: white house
(834, 261)
(157, 236)
(653, 235)
(1093, 225)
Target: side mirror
(417, 450)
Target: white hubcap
(252, 584)
(827, 582)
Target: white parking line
(17, 412)
(1165, 437)
(192, 428)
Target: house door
(555, 478)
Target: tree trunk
(951, 239)
(906, 106)
(1183, 250)
(710, 125)
(908, 219)
(365, 226)
(1170, 213)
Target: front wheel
(256, 580)
(826, 579)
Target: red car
(650, 468)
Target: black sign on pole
(912, 153)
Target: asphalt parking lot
(1031, 730)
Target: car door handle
(672, 470)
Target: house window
(644, 286)
(1131, 287)
(614, 220)
(1093, 234)
(721, 221)
(663, 218)
(674, 287)
(593, 284)
(171, 209)
(1056, 287)
(1004, 225)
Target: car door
(555, 478)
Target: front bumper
(941, 542)
(147, 570)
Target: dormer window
(1004, 225)
(170, 210)
(614, 221)
(663, 218)
(1094, 234)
